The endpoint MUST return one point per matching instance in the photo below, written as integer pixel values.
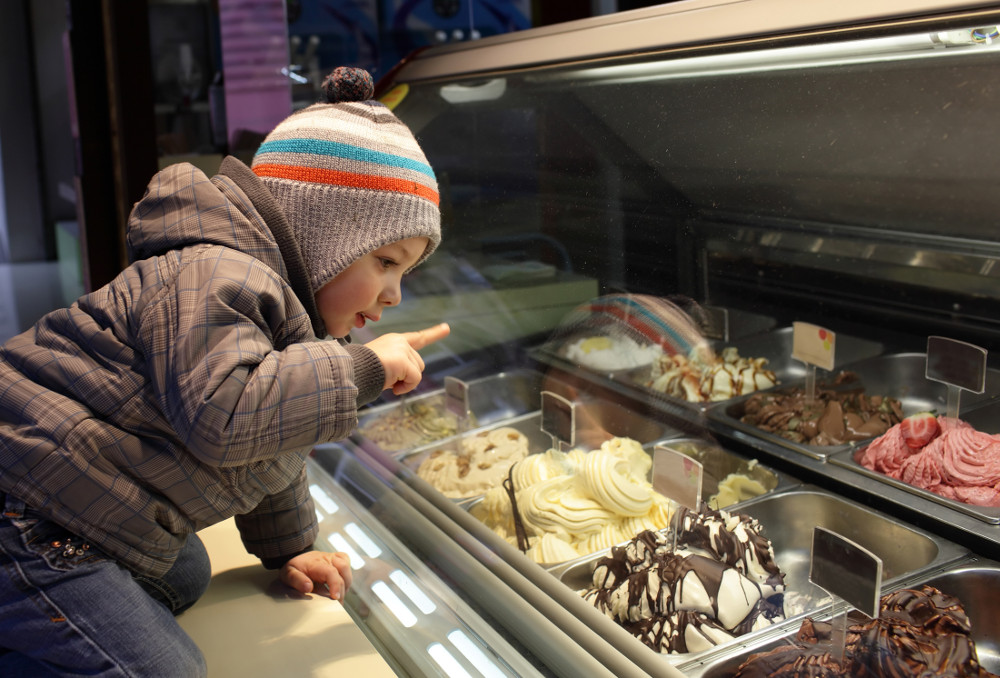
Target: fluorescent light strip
(362, 539)
(395, 605)
(476, 657)
(412, 591)
(784, 58)
(340, 544)
(323, 499)
(446, 661)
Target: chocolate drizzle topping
(920, 632)
(519, 531)
(640, 583)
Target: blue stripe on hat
(336, 149)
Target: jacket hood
(163, 219)
(171, 215)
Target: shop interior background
(151, 72)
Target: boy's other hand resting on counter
(398, 352)
(306, 570)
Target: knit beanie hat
(349, 177)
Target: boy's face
(361, 291)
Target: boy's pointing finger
(428, 336)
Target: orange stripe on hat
(339, 178)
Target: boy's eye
(386, 262)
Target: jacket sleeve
(236, 367)
(283, 525)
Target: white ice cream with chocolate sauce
(721, 582)
(703, 376)
(588, 501)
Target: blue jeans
(66, 609)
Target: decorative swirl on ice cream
(588, 500)
(956, 461)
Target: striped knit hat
(349, 177)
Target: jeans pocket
(59, 547)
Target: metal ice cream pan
(597, 422)
(788, 519)
(985, 418)
(776, 347)
(492, 399)
(900, 376)
(718, 463)
(976, 587)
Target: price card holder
(680, 478)
(456, 397)
(677, 476)
(960, 365)
(848, 571)
(815, 346)
(716, 325)
(559, 419)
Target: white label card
(814, 345)
(677, 476)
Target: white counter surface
(248, 624)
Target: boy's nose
(391, 296)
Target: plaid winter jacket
(189, 389)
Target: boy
(192, 387)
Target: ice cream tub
(597, 422)
(985, 419)
(900, 376)
(787, 519)
(728, 478)
(976, 587)
(419, 420)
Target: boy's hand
(398, 352)
(318, 567)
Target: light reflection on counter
(395, 605)
(398, 600)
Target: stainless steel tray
(900, 376)
(492, 399)
(718, 463)
(977, 586)
(775, 345)
(985, 418)
(597, 421)
(788, 519)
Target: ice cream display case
(650, 205)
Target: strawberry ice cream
(958, 462)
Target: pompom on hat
(349, 177)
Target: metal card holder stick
(716, 325)
(679, 478)
(850, 572)
(559, 420)
(456, 401)
(959, 365)
(815, 346)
